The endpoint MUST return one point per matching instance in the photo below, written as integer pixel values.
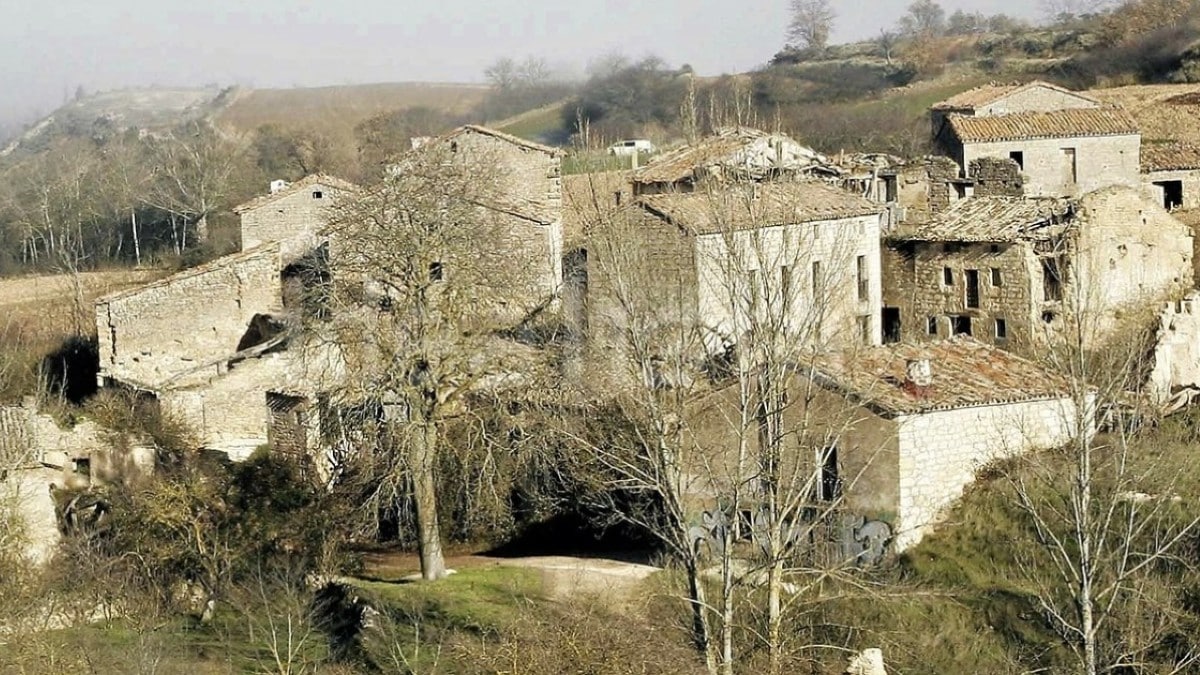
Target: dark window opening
(317, 194)
(931, 328)
(785, 283)
(960, 325)
(83, 467)
(997, 279)
(1051, 280)
(1048, 317)
(1001, 329)
(437, 271)
(972, 297)
(1018, 157)
(1172, 191)
(863, 282)
(891, 325)
(816, 279)
(617, 197)
(994, 248)
(890, 188)
(947, 276)
(829, 483)
(453, 146)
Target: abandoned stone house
(1007, 270)
(1065, 143)
(893, 433)
(1171, 174)
(708, 257)
(291, 214)
(529, 182)
(730, 155)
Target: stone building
(1006, 269)
(704, 255)
(291, 214)
(927, 418)
(1171, 174)
(530, 193)
(730, 155)
(1065, 143)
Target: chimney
(918, 376)
(277, 185)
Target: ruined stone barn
(1009, 270)
(530, 198)
(1171, 174)
(731, 155)
(291, 214)
(706, 257)
(1065, 143)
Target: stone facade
(996, 177)
(292, 216)
(1178, 189)
(1176, 361)
(1065, 167)
(188, 321)
(1118, 252)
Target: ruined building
(1005, 269)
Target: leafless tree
(425, 277)
(925, 18)
(812, 20)
(192, 176)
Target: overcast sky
(49, 47)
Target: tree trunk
(137, 244)
(775, 611)
(727, 585)
(429, 538)
(700, 629)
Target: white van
(632, 147)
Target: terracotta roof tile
(1173, 156)
(1056, 124)
(292, 188)
(757, 205)
(966, 373)
(991, 219)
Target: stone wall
(1189, 180)
(827, 307)
(915, 275)
(1099, 161)
(188, 320)
(941, 452)
(1176, 360)
(294, 221)
(996, 177)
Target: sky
(49, 48)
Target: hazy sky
(49, 47)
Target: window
(947, 276)
(931, 328)
(785, 282)
(863, 284)
(453, 146)
(994, 248)
(437, 272)
(1001, 329)
(617, 197)
(891, 324)
(1018, 157)
(997, 279)
(816, 279)
(1172, 193)
(1051, 280)
(829, 483)
(960, 325)
(1069, 167)
(1048, 317)
(317, 194)
(83, 467)
(972, 291)
(864, 329)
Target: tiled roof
(292, 188)
(1056, 124)
(966, 373)
(1172, 156)
(721, 148)
(757, 205)
(994, 91)
(269, 248)
(991, 219)
(589, 197)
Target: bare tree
(924, 18)
(192, 177)
(812, 21)
(425, 275)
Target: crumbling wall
(1099, 162)
(997, 177)
(188, 320)
(1176, 359)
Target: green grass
(542, 125)
(479, 599)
